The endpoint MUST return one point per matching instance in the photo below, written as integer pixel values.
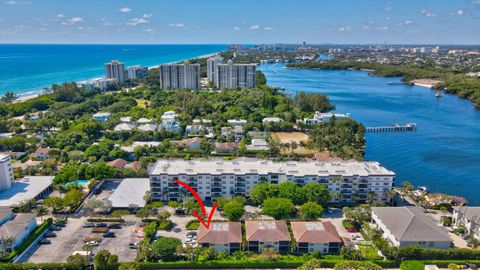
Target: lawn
(368, 251)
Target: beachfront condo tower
(235, 75)
(212, 63)
(115, 70)
(180, 76)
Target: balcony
(216, 190)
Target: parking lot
(71, 238)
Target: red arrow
(200, 202)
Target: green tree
(234, 210)
(315, 192)
(263, 191)
(165, 248)
(356, 265)
(77, 260)
(105, 260)
(311, 211)
(56, 203)
(279, 208)
(73, 198)
(311, 264)
(352, 254)
(292, 191)
(9, 97)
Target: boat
(438, 94)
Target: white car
(93, 243)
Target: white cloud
(255, 27)
(268, 28)
(177, 25)
(73, 20)
(236, 28)
(388, 8)
(60, 15)
(150, 31)
(459, 12)
(125, 10)
(407, 22)
(344, 29)
(368, 26)
(382, 29)
(428, 13)
(136, 21)
(148, 15)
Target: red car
(352, 230)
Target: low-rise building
(319, 117)
(130, 192)
(409, 225)
(468, 217)
(237, 122)
(226, 147)
(267, 234)
(221, 178)
(192, 143)
(26, 189)
(42, 153)
(316, 236)
(272, 120)
(147, 127)
(15, 228)
(221, 236)
(117, 163)
(28, 167)
(101, 116)
(124, 127)
(258, 145)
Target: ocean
(26, 69)
(443, 154)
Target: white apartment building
(180, 76)
(137, 71)
(220, 178)
(115, 70)
(235, 75)
(212, 63)
(468, 217)
(6, 172)
(319, 117)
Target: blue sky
(245, 21)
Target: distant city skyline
(244, 22)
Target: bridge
(393, 128)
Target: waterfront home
(468, 217)
(126, 119)
(258, 145)
(170, 122)
(319, 117)
(15, 228)
(267, 234)
(101, 116)
(409, 225)
(316, 236)
(272, 120)
(221, 236)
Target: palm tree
(391, 196)
(8, 97)
(41, 212)
(371, 196)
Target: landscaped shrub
(412, 265)
(348, 224)
(165, 225)
(192, 225)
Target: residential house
(237, 122)
(258, 145)
(468, 217)
(272, 120)
(28, 167)
(409, 225)
(15, 228)
(124, 127)
(126, 119)
(142, 121)
(316, 236)
(267, 234)
(226, 147)
(221, 236)
(319, 117)
(236, 132)
(42, 153)
(117, 163)
(192, 143)
(101, 116)
(147, 127)
(170, 122)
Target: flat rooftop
(24, 190)
(130, 191)
(244, 166)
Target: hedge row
(29, 266)
(32, 237)
(105, 219)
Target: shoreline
(33, 93)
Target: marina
(393, 128)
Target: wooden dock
(393, 128)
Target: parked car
(109, 235)
(191, 234)
(60, 223)
(88, 225)
(101, 225)
(50, 234)
(115, 226)
(133, 245)
(44, 242)
(55, 228)
(92, 243)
